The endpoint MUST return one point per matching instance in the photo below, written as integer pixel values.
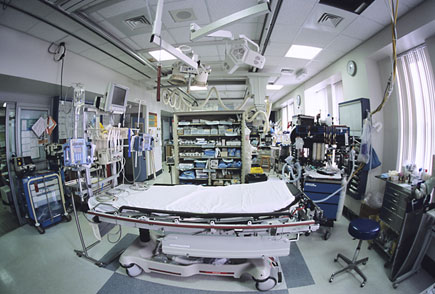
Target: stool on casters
(362, 229)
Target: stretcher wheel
(67, 218)
(265, 285)
(40, 229)
(134, 270)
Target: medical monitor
(352, 114)
(116, 98)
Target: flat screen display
(351, 116)
(119, 96)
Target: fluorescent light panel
(162, 55)
(302, 52)
(198, 88)
(274, 87)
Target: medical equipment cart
(45, 200)
(318, 189)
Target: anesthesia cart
(45, 200)
(319, 190)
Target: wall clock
(351, 68)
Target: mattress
(262, 197)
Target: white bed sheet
(260, 197)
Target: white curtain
(284, 118)
(337, 97)
(415, 85)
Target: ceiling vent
(355, 6)
(330, 20)
(138, 22)
(182, 15)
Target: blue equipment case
(45, 199)
(318, 189)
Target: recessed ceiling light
(302, 52)
(274, 87)
(162, 55)
(198, 88)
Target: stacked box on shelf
(210, 137)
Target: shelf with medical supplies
(208, 147)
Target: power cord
(58, 52)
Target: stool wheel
(395, 285)
(331, 279)
(363, 284)
(335, 259)
(364, 263)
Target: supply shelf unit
(208, 146)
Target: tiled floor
(33, 263)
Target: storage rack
(219, 129)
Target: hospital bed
(223, 231)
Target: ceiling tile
(112, 49)
(142, 40)
(314, 38)
(362, 28)
(294, 12)
(199, 9)
(46, 32)
(122, 7)
(64, 22)
(112, 29)
(247, 29)
(284, 33)
(90, 37)
(180, 34)
(285, 61)
(94, 54)
(131, 44)
(16, 20)
(222, 8)
(329, 55)
(344, 43)
(74, 44)
(277, 49)
(36, 7)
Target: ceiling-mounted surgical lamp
(239, 52)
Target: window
(324, 98)
(416, 109)
(287, 113)
(316, 102)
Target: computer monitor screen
(119, 96)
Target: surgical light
(303, 52)
(162, 55)
(274, 87)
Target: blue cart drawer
(329, 210)
(318, 196)
(321, 187)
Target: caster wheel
(395, 285)
(307, 234)
(363, 284)
(335, 259)
(265, 285)
(364, 263)
(67, 218)
(40, 229)
(331, 279)
(134, 271)
(99, 264)
(326, 236)
(79, 254)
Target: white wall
(27, 57)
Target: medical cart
(45, 200)
(318, 189)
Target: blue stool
(362, 229)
